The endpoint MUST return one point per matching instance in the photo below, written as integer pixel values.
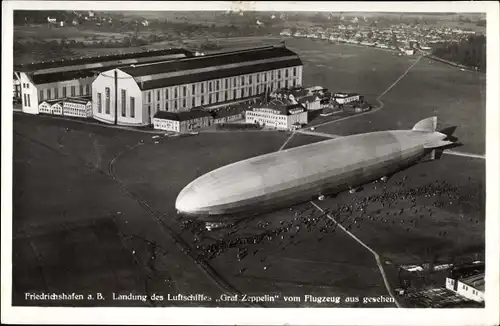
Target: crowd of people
(404, 207)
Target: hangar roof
(222, 73)
(63, 75)
(217, 65)
(212, 60)
(33, 67)
(54, 77)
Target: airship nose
(188, 201)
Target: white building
(344, 98)
(72, 107)
(277, 116)
(409, 51)
(311, 103)
(182, 121)
(471, 287)
(54, 107)
(133, 95)
(77, 107)
(312, 98)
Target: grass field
(120, 247)
(75, 230)
(398, 242)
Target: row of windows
(209, 99)
(123, 93)
(27, 100)
(215, 85)
(212, 99)
(74, 105)
(261, 115)
(84, 90)
(26, 85)
(271, 111)
(49, 109)
(267, 121)
(75, 112)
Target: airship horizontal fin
(427, 125)
(438, 143)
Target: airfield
(94, 206)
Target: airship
(281, 179)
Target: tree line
(470, 52)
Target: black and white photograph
(290, 155)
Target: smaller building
(72, 107)
(77, 107)
(343, 98)
(409, 51)
(356, 108)
(312, 98)
(182, 121)
(225, 115)
(277, 116)
(470, 287)
(311, 102)
(54, 107)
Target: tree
(470, 52)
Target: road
(472, 155)
(205, 267)
(314, 133)
(304, 131)
(375, 255)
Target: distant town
(405, 34)
(404, 37)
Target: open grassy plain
(77, 230)
(457, 98)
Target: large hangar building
(133, 95)
(56, 80)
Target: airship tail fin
(438, 143)
(426, 125)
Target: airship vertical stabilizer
(426, 125)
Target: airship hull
(276, 180)
(268, 202)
